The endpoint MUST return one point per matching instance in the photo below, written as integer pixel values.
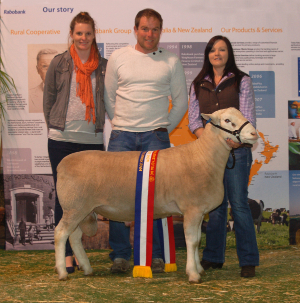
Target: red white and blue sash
(167, 243)
(143, 227)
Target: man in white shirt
(138, 82)
(292, 131)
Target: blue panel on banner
(173, 47)
(192, 54)
(101, 49)
(298, 76)
(264, 89)
(190, 75)
(18, 161)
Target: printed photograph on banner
(29, 210)
(294, 135)
(294, 155)
(294, 170)
(294, 130)
(294, 109)
(39, 58)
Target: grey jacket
(57, 91)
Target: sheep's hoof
(63, 277)
(88, 272)
(194, 278)
(196, 282)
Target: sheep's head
(235, 123)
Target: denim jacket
(57, 91)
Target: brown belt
(161, 129)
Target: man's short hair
(46, 51)
(148, 13)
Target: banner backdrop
(266, 47)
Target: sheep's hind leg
(60, 237)
(76, 244)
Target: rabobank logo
(14, 12)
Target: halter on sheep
(189, 182)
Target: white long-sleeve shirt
(137, 87)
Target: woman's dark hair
(207, 68)
(84, 17)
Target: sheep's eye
(228, 121)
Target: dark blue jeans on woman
(133, 141)
(57, 151)
(236, 192)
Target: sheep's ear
(205, 116)
(215, 116)
(211, 118)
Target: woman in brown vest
(220, 84)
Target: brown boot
(120, 265)
(248, 271)
(158, 265)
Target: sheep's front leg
(76, 244)
(197, 258)
(192, 223)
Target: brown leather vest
(211, 99)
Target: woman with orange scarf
(73, 101)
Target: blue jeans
(57, 150)
(236, 192)
(133, 141)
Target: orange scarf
(84, 88)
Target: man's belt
(161, 129)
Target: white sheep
(189, 182)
